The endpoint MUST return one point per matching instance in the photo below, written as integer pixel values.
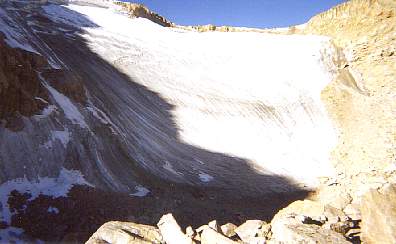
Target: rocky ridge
(141, 11)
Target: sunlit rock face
(127, 100)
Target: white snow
(46, 112)
(62, 136)
(205, 177)
(64, 15)
(41, 99)
(168, 166)
(141, 191)
(55, 187)
(71, 111)
(103, 118)
(250, 95)
(14, 36)
(15, 236)
(53, 210)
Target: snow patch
(70, 110)
(16, 236)
(53, 210)
(205, 177)
(103, 118)
(168, 166)
(55, 187)
(141, 191)
(40, 99)
(47, 111)
(62, 136)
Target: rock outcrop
(365, 31)
(21, 91)
(379, 216)
(123, 232)
(141, 11)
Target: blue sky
(250, 13)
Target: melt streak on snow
(250, 95)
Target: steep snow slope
(249, 95)
(131, 101)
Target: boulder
(125, 232)
(353, 211)
(249, 229)
(202, 228)
(257, 240)
(312, 209)
(213, 225)
(290, 230)
(264, 231)
(228, 229)
(190, 232)
(334, 215)
(379, 216)
(335, 196)
(171, 231)
(209, 236)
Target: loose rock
(171, 231)
(379, 216)
(125, 232)
(209, 236)
(228, 229)
(249, 229)
(289, 230)
(213, 225)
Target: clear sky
(249, 13)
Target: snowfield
(249, 95)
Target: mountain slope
(126, 105)
(163, 94)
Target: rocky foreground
(301, 222)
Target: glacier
(234, 110)
(250, 95)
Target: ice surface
(64, 15)
(141, 191)
(254, 96)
